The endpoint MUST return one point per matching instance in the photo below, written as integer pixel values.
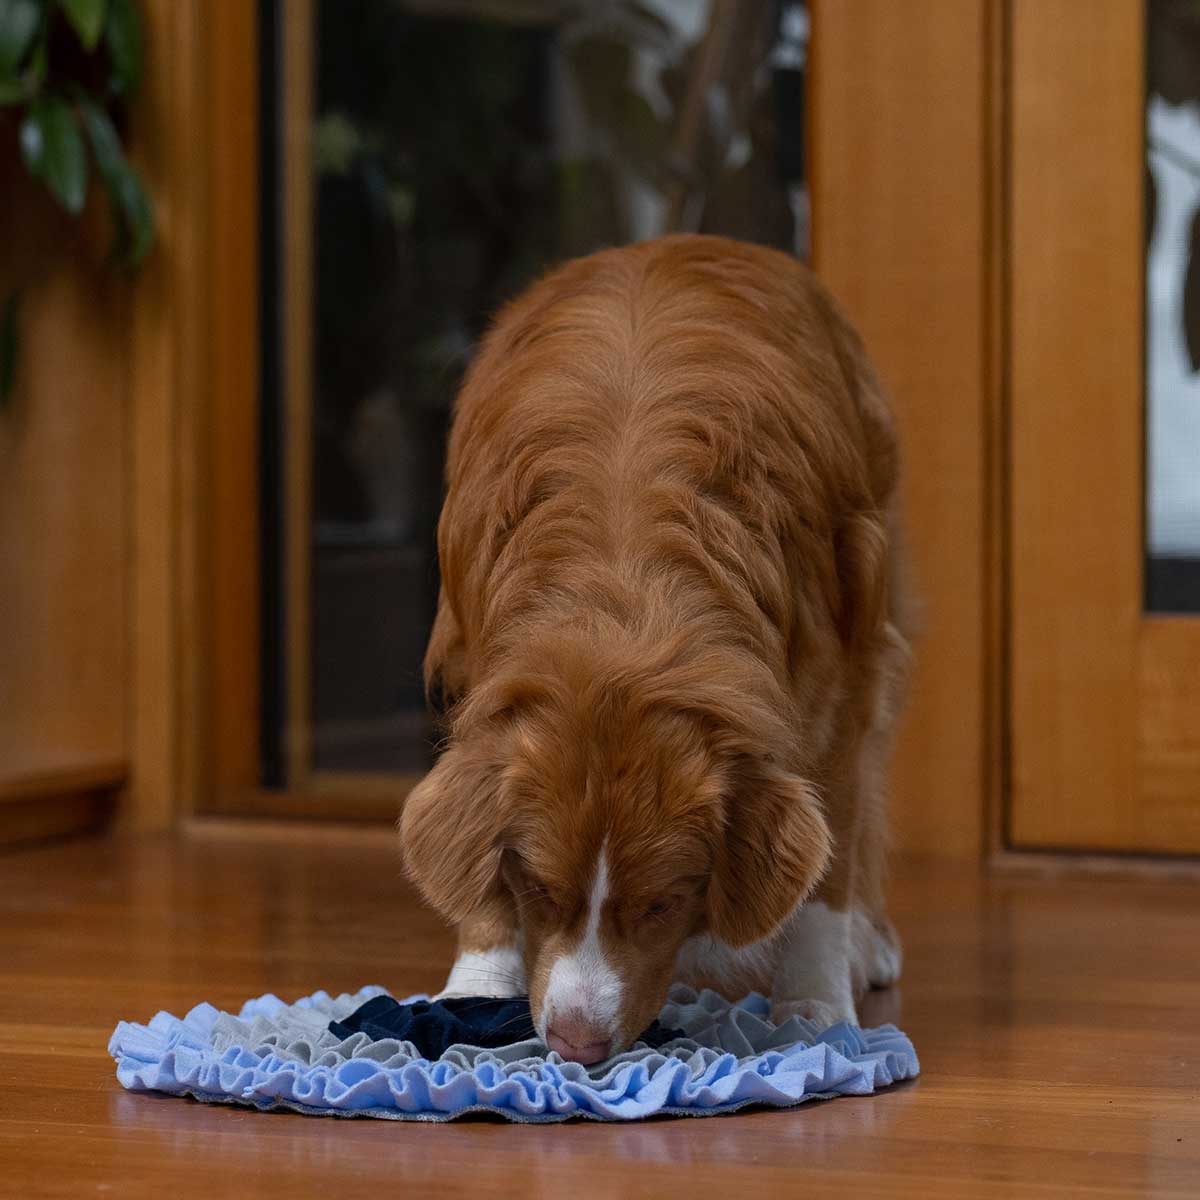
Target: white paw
(884, 962)
(877, 955)
(820, 1012)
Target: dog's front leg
(489, 961)
(814, 969)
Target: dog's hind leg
(841, 942)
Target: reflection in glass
(1173, 307)
(459, 148)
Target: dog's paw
(885, 960)
(877, 959)
(820, 1012)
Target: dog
(672, 628)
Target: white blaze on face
(582, 985)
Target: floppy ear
(862, 563)
(772, 852)
(450, 832)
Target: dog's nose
(578, 1041)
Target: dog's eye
(539, 897)
(529, 894)
(660, 908)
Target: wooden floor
(1058, 1026)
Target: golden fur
(668, 619)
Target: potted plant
(67, 70)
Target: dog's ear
(771, 853)
(862, 564)
(451, 830)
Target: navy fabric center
(433, 1026)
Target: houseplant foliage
(67, 68)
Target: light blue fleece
(275, 1055)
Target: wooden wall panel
(63, 515)
(99, 479)
(901, 177)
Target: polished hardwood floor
(1058, 1025)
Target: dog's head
(616, 819)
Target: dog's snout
(577, 1039)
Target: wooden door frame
(194, 403)
(197, 635)
(907, 162)
(195, 348)
(311, 790)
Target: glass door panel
(434, 156)
(1173, 306)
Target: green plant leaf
(134, 217)
(123, 37)
(53, 150)
(8, 345)
(18, 23)
(12, 91)
(87, 19)
(35, 73)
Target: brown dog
(670, 622)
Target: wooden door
(1105, 692)
(895, 119)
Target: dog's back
(690, 414)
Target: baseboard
(58, 802)
(1074, 864)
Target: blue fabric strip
(274, 1055)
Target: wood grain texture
(995, 750)
(58, 815)
(97, 775)
(1168, 749)
(166, 356)
(230, 557)
(346, 797)
(1055, 1024)
(900, 193)
(53, 803)
(1105, 704)
(64, 599)
(195, 400)
(1076, 426)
